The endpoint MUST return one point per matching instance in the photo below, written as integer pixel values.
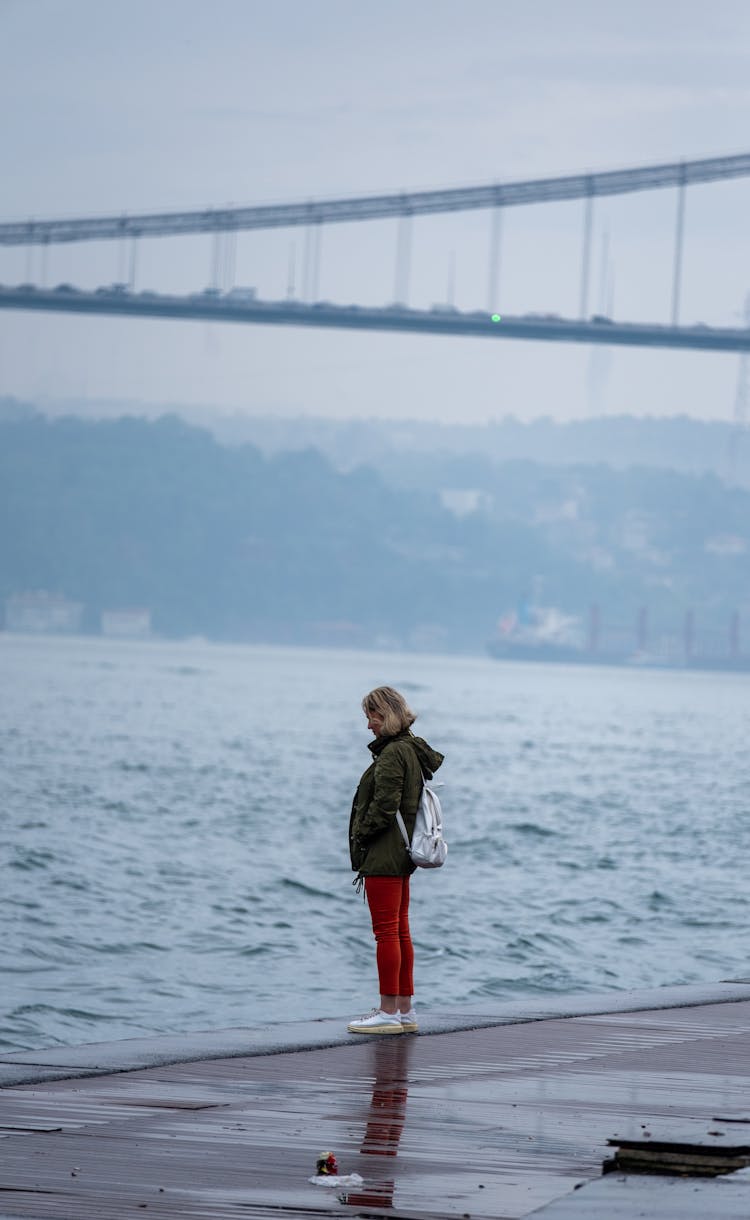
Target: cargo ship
(545, 633)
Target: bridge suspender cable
(372, 207)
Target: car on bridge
(242, 294)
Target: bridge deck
(494, 1122)
(393, 318)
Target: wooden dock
(489, 1122)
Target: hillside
(688, 445)
(229, 543)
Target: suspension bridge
(243, 306)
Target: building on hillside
(42, 613)
(126, 624)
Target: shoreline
(160, 1050)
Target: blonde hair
(386, 702)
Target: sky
(165, 104)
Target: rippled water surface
(173, 833)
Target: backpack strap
(402, 828)
(400, 820)
(401, 824)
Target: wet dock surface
(492, 1122)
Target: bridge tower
(741, 404)
(600, 355)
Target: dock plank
(493, 1122)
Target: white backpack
(428, 848)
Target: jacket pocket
(357, 853)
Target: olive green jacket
(393, 781)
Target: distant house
(42, 613)
(126, 624)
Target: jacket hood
(429, 759)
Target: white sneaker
(378, 1022)
(409, 1021)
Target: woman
(393, 781)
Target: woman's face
(374, 723)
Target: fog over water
(173, 833)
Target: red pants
(388, 900)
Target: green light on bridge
(496, 317)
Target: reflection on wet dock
(489, 1122)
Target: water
(173, 822)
